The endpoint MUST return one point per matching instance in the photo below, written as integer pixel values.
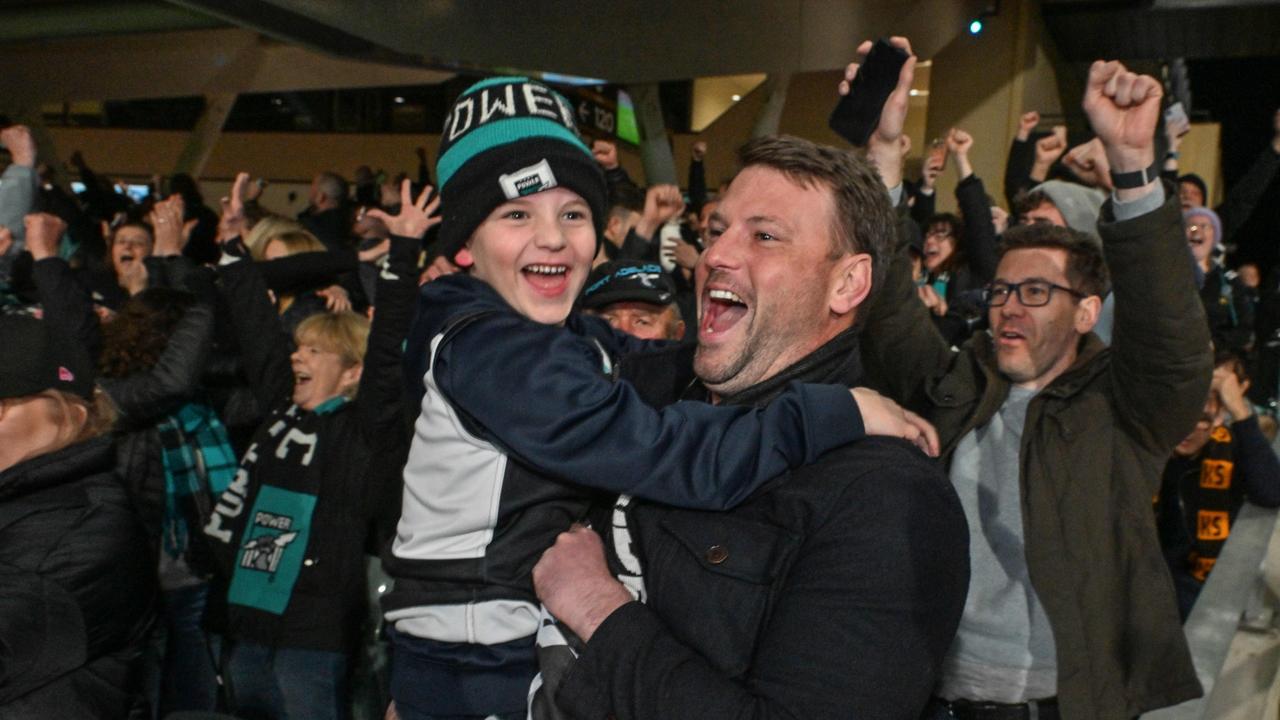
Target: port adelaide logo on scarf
(263, 551)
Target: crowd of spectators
(803, 446)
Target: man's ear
(851, 283)
(1087, 312)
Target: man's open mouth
(1009, 337)
(721, 310)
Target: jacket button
(717, 554)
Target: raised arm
(900, 346)
(17, 190)
(264, 350)
(971, 196)
(378, 401)
(1161, 360)
(67, 305)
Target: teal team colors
(506, 138)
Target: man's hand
(17, 139)
(1089, 163)
(336, 298)
(933, 162)
(605, 153)
(882, 416)
(375, 253)
(661, 203)
(685, 255)
(1048, 149)
(936, 303)
(166, 222)
(44, 234)
(439, 267)
(959, 143)
(999, 218)
(1027, 123)
(415, 217)
(573, 581)
(883, 149)
(231, 225)
(6, 240)
(1231, 392)
(1124, 108)
(699, 150)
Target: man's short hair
(1027, 200)
(1086, 268)
(626, 197)
(333, 186)
(863, 219)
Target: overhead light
(914, 92)
(736, 98)
(399, 100)
(975, 26)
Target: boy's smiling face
(536, 252)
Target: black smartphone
(858, 113)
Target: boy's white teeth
(726, 296)
(547, 269)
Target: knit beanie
(507, 137)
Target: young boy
(520, 426)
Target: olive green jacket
(1093, 447)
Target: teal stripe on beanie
(501, 132)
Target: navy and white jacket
(521, 426)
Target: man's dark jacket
(834, 592)
(1095, 442)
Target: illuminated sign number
(1215, 474)
(1212, 525)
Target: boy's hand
(231, 224)
(416, 216)
(882, 416)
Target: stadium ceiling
(1159, 29)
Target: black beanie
(507, 137)
(32, 361)
(1198, 181)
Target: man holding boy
(517, 402)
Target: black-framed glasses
(1031, 293)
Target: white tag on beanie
(527, 181)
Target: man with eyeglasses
(1055, 443)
